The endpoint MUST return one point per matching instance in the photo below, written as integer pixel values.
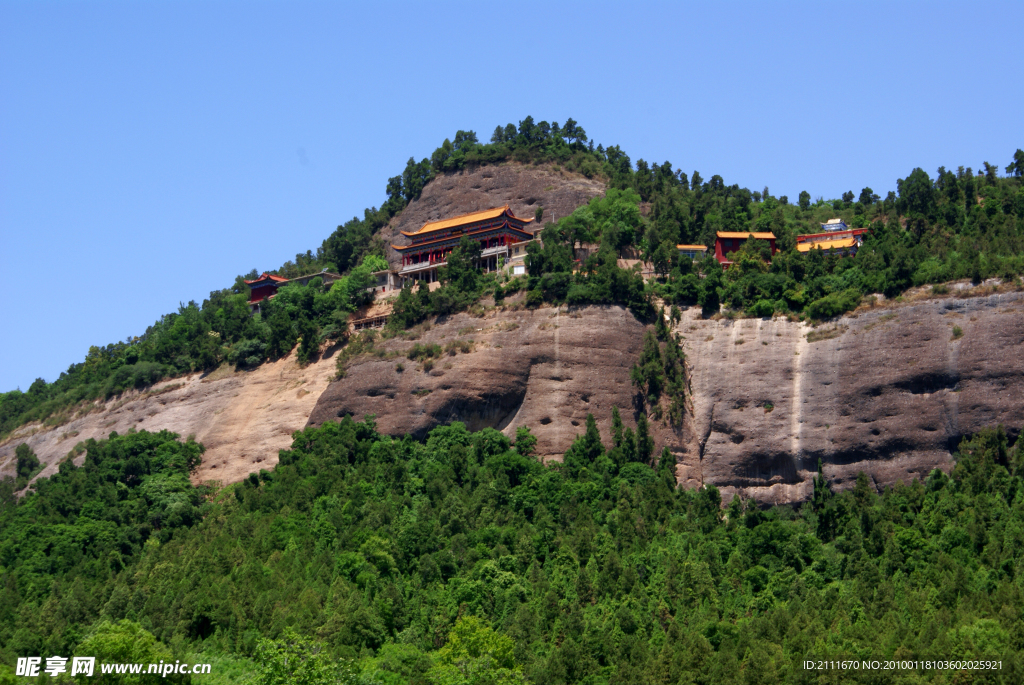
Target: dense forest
(929, 230)
(462, 559)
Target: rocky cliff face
(523, 187)
(889, 392)
(546, 369)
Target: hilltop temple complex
(503, 238)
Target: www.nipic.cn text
(32, 666)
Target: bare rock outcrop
(243, 418)
(890, 392)
(546, 369)
(523, 187)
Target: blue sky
(150, 152)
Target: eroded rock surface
(891, 394)
(546, 369)
(890, 391)
(245, 418)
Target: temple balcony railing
(496, 250)
(422, 266)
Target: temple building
(843, 242)
(495, 229)
(517, 257)
(727, 242)
(692, 252)
(384, 281)
(834, 225)
(263, 288)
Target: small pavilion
(265, 287)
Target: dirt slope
(243, 418)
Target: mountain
(575, 475)
(886, 389)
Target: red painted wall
(721, 249)
(262, 293)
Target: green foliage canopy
(459, 559)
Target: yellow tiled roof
(472, 217)
(826, 244)
(745, 234)
(691, 247)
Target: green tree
(282, 331)
(460, 269)
(475, 654)
(297, 660)
(465, 140)
(415, 177)
(310, 340)
(667, 466)
(616, 427)
(1016, 167)
(709, 297)
(125, 642)
(648, 373)
(805, 200)
(27, 461)
(916, 194)
(867, 197)
(573, 132)
(644, 440)
(663, 257)
(526, 442)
